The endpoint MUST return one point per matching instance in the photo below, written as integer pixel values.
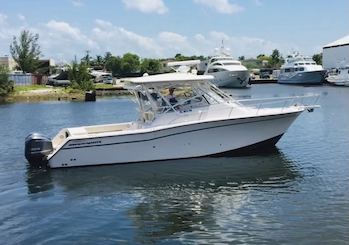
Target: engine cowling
(37, 148)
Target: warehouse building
(336, 54)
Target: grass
(103, 86)
(28, 88)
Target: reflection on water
(173, 197)
(194, 173)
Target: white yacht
(227, 71)
(340, 77)
(197, 120)
(301, 70)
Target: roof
(340, 42)
(169, 77)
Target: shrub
(6, 86)
(79, 77)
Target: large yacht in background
(301, 70)
(227, 71)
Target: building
(8, 63)
(45, 66)
(336, 54)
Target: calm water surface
(296, 194)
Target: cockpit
(160, 98)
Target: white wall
(334, 57)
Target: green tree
(87, 58)
(98, 61)
(107, 57)
(6, 86)
(130, 63)
(180, 57)
(318, 58)
(113, 64)
(241, 58)
(150, 66)
(276, 59)
(26, 51)
(79, 76)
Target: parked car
(107, 79)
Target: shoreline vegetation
(37, 93)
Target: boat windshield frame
(153, 100)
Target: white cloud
(77, 3)
(61, 41)
(3, 18)
(118, 40)
(21, 17)
(63, 30)
(221, 6)
(146, 6)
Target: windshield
(177, 98)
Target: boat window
(295, 69)
(232, 64)
(301, 63)
(144, 101)
(296, 64)
(214, 70)
(182, 99)
(307, 63)
(301, 68)
(287, 70)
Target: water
(296, 194)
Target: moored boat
(227, 71)
(181, 115)
(301, 70)
(340, 77)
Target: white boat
(340, 77)
(227, 71)
(201, 121)
(301, 70)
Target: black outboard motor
(37, 147)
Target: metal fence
(28, 79)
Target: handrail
(280, 98)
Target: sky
(163, 28)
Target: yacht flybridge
(180, 116)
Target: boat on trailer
(196, 119)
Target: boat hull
(310, 77)
(338, 82)
(178, 142)
(231, 79)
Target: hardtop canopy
(169, 78)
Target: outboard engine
(37, 147)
